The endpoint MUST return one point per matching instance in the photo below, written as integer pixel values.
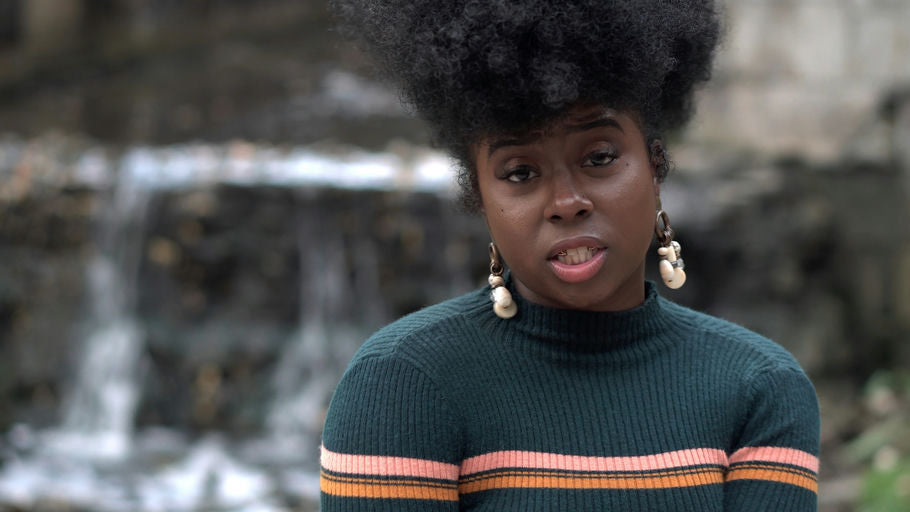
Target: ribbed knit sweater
(659, 408)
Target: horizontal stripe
(771, 474)
(541, 460)
(776, 467)
(370, 476)
(590, 474)
(593, 475)
(387, 481)
(776, 454)
(515, 479)
(386, 489)
(387, 466)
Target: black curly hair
(477, 68)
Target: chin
(602, 294)
(592, 300)
(585, 303)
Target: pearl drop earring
(671, 266)
(503, 304)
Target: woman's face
(572, 209)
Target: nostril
(567, 205)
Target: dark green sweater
(658, 408)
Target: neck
(590, 330)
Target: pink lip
(582, 271)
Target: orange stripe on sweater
(385, 489)
(528, 469)
(500, 480)
(774, 475)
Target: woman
(577, 387)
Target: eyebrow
(501, 143)
(575, 128)
(597, 123)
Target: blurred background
(207, 205)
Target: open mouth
(578, 264)
(576, 256)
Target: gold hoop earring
(503, 304)
(671, 266)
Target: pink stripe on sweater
(776, 454)
(540, 460)
(386, 466)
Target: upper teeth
(576, 255)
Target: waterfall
(326, 337)
(97, 417)
(95, 459)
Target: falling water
(94, 459)
(326, 338)
(96, 428)
(98, 414)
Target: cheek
(631, 190)
(503, 208)
(508, 226)
(633, 207)
(510, 216)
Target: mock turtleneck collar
(590, 330)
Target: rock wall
(811, 78)
(42, 290)
(167, 72)
(807, 78)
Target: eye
(520, 174)
(599, 158)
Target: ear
(657, 158)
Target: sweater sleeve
(390, 442)
(774, 465)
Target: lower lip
(580, 272)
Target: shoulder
(434, 328)
(771, 397)
(403, 364)
(730, 344)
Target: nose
(568, 200)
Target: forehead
(575, 119)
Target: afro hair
(476, 68)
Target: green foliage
(887, 490)
(884, 446)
